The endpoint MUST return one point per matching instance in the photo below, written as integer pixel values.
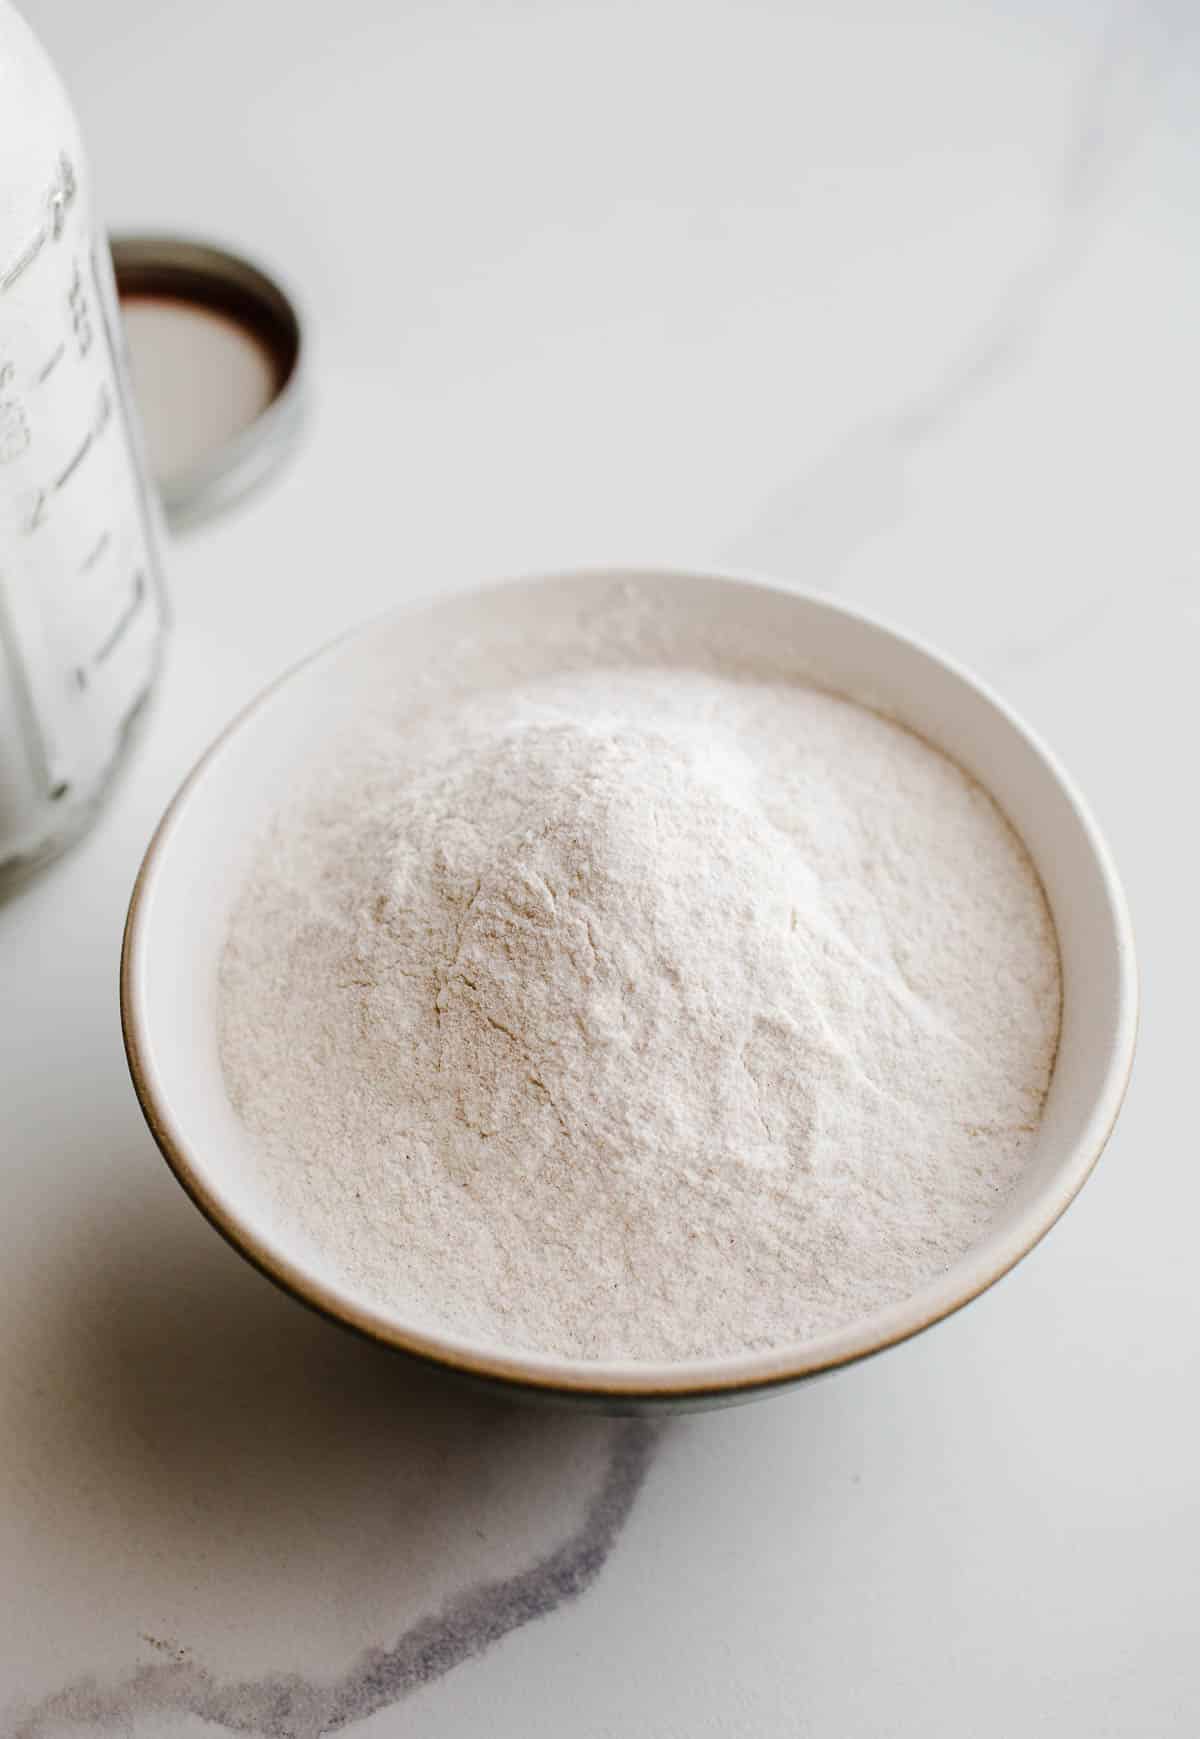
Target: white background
(898, 301)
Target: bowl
(181, 902)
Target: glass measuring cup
(81, 597)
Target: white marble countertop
(895, 301)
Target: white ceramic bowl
(180, 906)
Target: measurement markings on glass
(51, 364)
(25, 260)
(99, 424)
(81, 323)
(14, 422)
(118, 630)
(106, 305)
(58, 201)
(97, 550)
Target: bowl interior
(192, 872)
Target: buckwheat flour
(641, 1013)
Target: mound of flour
(640, 1013)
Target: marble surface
(895, 301)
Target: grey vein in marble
(288, 1706)
(856, 491)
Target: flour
(640, 1013)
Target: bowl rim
(730, 1377)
